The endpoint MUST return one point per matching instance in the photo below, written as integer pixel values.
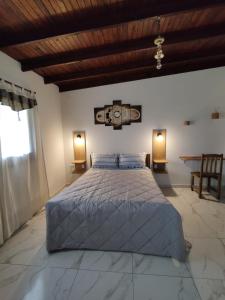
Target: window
(14, 132)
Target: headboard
(147, 160)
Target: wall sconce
(79, 140)
(79, 146)
(187, 123)
(159, 136)
(159, 150)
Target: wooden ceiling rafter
(146, 63)
(122, 47)
(169, 69)
(98, 18)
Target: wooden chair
(211, 167)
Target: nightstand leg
(192, 182)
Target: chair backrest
(212, 164)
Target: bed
(116, 210)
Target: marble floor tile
(107, 261)
(181, 206)
(38, 283)
(38, 221)
(195, 226)
(210, 289)
(207, 258)
(201, 218)
(95, 285)
(148, 264)
(215, 223)
(149, 287)
(20, 248)
(9, 277)
(187, 202)
(202, 206)
(180, 203)
(64, 259)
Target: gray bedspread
(117, 210)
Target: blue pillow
(104, 160)
(132, 160)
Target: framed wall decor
(117, 114)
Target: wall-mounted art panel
(117, 114)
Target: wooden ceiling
(83, 43)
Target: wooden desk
(196, 157)
(184, 158)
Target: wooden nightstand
(159, 165)
(80, 166)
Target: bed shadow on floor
(169, 192)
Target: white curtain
(23, 181)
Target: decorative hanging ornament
(158, 42)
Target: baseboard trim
(175, 186)
(185, 186)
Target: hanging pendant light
(158, 42)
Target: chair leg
(200, 188)
(219, 188)
(209, 183)
(192, 182)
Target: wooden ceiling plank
(62, 6)
(100, 18)
(69, 6)
(169, 69)
(133, 65)
(14, 14)
(48, 7)
(42, 8)
(30, 11)
(122, 47)
(19, 7)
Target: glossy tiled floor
(28, 272)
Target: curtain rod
(18, 86)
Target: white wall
(49, 108)
(166, 103)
